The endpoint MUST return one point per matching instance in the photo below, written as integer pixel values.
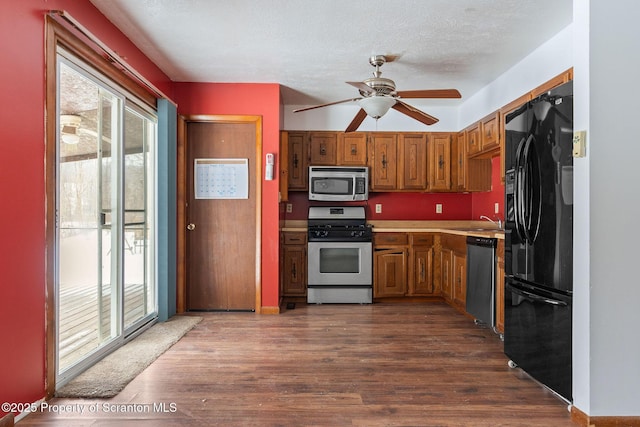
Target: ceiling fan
(378, 94)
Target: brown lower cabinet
(293, 267)
(403, 265)
(453, 269)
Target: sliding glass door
(105, 284)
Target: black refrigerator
(539, 238)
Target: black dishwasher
(481, 272)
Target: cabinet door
(446, 272)
(440, 173)
(473, 139)
(297, 163)
(490, 132)
(459, 162)
(421, 280)
(352, 149)
(283, 167)
(459, 280)
(390, 272)
(382, 161)
(323, 148)
(412, 154)
(295, 271)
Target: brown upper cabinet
(468, 174)
(297, 159)
(383, 156)
(323, 147)
(352, 149)
(440, 162)
(473, 139)
(483, 137)
(412, 156)
(398, 161)
(490, 132)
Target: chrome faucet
(498, 222)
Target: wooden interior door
(222, 234)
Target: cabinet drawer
(421, 239)
(454, 243)
(294, 238)
(393, 239)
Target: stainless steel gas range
(339, 255)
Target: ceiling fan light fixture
(377, 106)
(69, 124)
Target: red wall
(22, 191)
(484, 203)
(396, 206)
(247, 99)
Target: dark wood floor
(327, 365)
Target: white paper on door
(221, 178)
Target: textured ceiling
(311, 47)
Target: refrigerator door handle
(518, 194)
(533, 199)
(535, 297)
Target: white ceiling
(311, 47)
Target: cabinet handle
(295, 160)
(354, 150)
(422, 275)
(323, 150)
(440, 162)
(384, 161)
(294, 273)
(460, 160)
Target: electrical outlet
(496, 207)
(378, 208)
(289, 208)
(438, 208)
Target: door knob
(191, 227)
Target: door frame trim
(181, 223)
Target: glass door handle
(191, 227)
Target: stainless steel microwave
(338, 183)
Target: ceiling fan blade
(430, 93)
(325, 105)
(361, 86)
(357, 120)
(414, 113)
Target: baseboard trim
(7, 420)
(270, 310)
(580, 418)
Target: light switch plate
(579, 143)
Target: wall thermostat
(579, 143)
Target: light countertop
(463, 228)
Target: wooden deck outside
(326, 365)
(79, 332)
